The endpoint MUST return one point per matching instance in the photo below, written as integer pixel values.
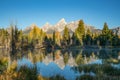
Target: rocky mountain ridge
(60, 25)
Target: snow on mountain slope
(60, 25)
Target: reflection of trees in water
(64, 57)
(83, 59)
(57, 54)
(79, 58)
(106, 54)
(18, 54)
(36, 56)
(101, 54)
(115, 53)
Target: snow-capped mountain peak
(62, 21)
(46, 26)
(60, 25)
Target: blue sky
(27, 12)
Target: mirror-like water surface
(64, 62)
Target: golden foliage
(35, 32)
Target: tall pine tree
(105, 29)
(66, 34)
(88, 38)
(106, 36)
(54, 38)
(80, 31)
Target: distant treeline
(14, 38)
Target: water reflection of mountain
(62, 62)
(62, 57)
(59, 60)
(53, 69)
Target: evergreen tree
(73, 38)
(106, 36)
(16, 33)
(41, 36)
(105, 29)
(88, 32)
(66, 57)
(66, 34)
(54, 38)
(20, 34)
(88, 38)
(115, 40)
(12, 39)
(80, 31)
(58, 38)
(48, 42)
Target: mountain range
(60, 25)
